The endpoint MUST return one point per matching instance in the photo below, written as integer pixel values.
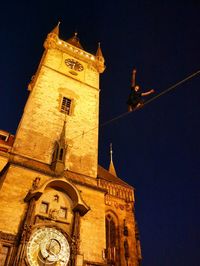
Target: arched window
(111, 241)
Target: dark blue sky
(156, 149)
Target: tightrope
(147, 102)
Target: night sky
(155, 149)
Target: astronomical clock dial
(73, 64)
(48, 246)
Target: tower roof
(106, 175)
(75, 41)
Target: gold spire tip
(111, 151)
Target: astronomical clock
(48, 246)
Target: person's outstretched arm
(147, 93)
(133, 78)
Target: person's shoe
(139, 106)
(130, 109)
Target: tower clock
(48, 246)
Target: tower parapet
(70, 47)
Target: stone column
(25, 234)
(76, 258)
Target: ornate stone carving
(31, 84)
(56, 198)
(26, 232)
(126, 249)
(35, 183)
(113, 203)
(125, 229)
(53, 214)
(51, 41)
(75, 244)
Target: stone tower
(57, 205)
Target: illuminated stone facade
(57, 206)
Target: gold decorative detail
(53, 214)
(73, 64)
(35, 183)
(56, 198)
(31, 84)
(113, 203)
(48, 246)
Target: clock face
(73, 64)
(48, 246)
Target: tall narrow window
(61, 155)
(111, 241)
(3, 137)
(66, 105)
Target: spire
(52, 38)
(56, 29)
(111, 166)
(100, 59)
(58, 158)
(99, 52)
(75, 41)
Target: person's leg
(139, 105)
(130, 108)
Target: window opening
(44, 207)
(63, 212)
(66, 105)
(61, 155)
(111, 240)
(3, 137)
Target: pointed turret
(99, 52)
(58, 160)
(100, 59)
(52, 37)
(75, 41)
(111, 166)
(56, 29)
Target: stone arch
(67, 187)
(114, 216)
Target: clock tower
(58, 207)
(64, 88)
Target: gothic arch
(112, 238)
(114, 216)
(67, 187)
